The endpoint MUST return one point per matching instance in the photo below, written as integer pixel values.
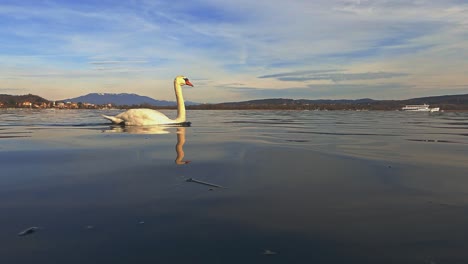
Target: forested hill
(14, 100)
(461, 99)
(445, 102)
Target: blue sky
(235, 50)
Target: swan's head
(182, 80)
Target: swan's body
(142, 117)
(149, 117)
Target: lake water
(298, 187)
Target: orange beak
(187, 82)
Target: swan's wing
(144, 117)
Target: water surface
(299, 187)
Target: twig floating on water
(269, 252)
(204, 183)
(28, 231)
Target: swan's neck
(180, 103)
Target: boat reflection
(179, 147)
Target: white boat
(420, 108)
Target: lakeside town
(59, 105)
(37, 102)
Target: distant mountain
(339, 101)
(122, 99)
(446, 102)
(458, 99)
(283, 101)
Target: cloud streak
(325, 91)
(117, 62)
(419, 46)
(332, 75)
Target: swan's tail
(114, 119)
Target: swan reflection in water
(156, 130)
(180, 147)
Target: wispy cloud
(298, 73)
(141, 45)
(11, 90)
(118, 62)
(323, 91)
(332, 75)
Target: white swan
(148, 117)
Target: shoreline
(235, 109)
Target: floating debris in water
(269, 252)
(141, 222)
(28, 231)
(204, 183)
(89, 227)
